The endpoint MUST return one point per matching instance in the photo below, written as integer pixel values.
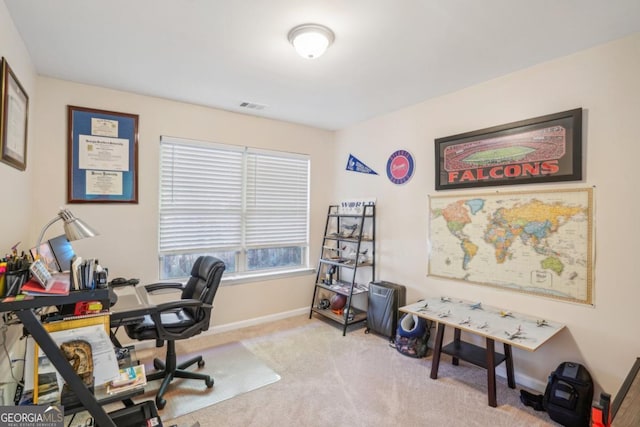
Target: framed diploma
(14, 110)
(102, 156)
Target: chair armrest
(154, 287)
(182, 303)
(163, 333)
(119, 282)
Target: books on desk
(129, 379)
(59, 287)
(85, 274)
(82, 273)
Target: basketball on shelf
(338, 301)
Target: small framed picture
(13, 119)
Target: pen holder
(13, 281)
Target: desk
(132, 302)
(485, 321)
(131, 305)
(24, 311)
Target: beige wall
(604, 81)
(128, 241)
(16, 184)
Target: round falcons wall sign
(400, 167)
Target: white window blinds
(219, 198)
(200, 197)
(277, 209)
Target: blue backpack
(412, 336)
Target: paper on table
(101, 349)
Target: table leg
(456, 339)
(491, 373)
(509, 365)
(437, 350)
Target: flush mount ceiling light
(311, 40)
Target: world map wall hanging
(537, 242)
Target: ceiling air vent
(252, 105)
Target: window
(248, 207)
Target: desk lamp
(74, 229)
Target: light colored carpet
(352, 381)
(356, 380)
(234, 369)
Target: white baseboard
(523, 380)
(218, 329)
(257, 321)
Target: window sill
(245, 278)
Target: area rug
(234, 368)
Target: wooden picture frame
(102, 156)
(13, 119)
(542, 149)
(102, 319)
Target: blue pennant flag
(356, 165)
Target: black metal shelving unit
(348, 247)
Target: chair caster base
(158, 364)
(209, 382)
(160, 403)
(200, 363)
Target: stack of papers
(102, 352)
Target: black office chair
(179, 320)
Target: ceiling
(387, 54)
